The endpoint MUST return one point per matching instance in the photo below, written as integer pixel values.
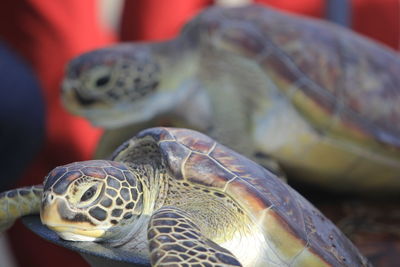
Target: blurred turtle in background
(321, 100)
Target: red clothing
(157, 20)
(313, 8)
(378, 19)
(48, 34)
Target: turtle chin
(76, 234)
(123, 115)
(73, 229)
(111, 122)
(75, 237)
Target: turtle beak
(49, 212)
(51, 215)
(69, 96)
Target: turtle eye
(89, 193)
(98, 78)
(102, 81)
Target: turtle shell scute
(157, 134)
(238, 164)
(175, 153)
(195, 141)
(202, 169)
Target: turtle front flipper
(176, 240)
(17, 203)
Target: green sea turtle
(180, 198)
(321, 100)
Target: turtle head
(123, 84)
(91, 200)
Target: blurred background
(37, 39)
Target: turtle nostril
(84, 100)
(70, 85)
(47, 199)
(103, 81)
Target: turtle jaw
(69, 98)
(99, 114)
(75, 234)
(117, 115)
(68, 229)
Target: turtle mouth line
(73, 233)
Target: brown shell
(199, 159)
(346, 75)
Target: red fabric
(313, 8)
(378, 19)
(48, 34)
(157, 20)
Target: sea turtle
(320, 99)
(180, 198)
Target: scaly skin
(17, 203)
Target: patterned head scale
(112, 75)
(98, 195)
(109, 78)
